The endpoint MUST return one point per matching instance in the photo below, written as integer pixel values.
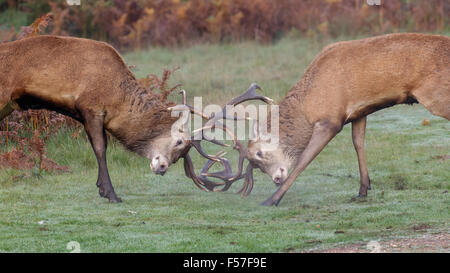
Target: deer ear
(257, 134)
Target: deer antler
(226, 174)
(201, 182)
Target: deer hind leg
(93, 125)
(358, 134)
(435, 96)
(323, 132)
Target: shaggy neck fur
(295, 129)
(144, 117)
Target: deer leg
(97, 136)
(323, 132)
(358, 134)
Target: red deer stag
(345, 83)
(89, 81)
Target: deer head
(269, 158)
(154, 134)
(166, 149)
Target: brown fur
(350, 80)
(346, 81)
(89, 81)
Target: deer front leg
(358, 134)
(323, 132)
(97, 136)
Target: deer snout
(159, 165)
(279, 176)
(162, 169)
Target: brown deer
(345, 83)
(89, 81)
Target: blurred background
(139, 24)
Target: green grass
(12, 18)
(223, 71)
(169, 214)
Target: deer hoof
(269, 202)
(115, 199)
(359, 198)
(111, 195)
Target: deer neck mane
(143, 117)
(295, 129)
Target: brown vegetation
(138, 24)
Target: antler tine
(202, 182)
(250, 94)
(226, 175)
(189, 170)
(196, 144)
(247, 187)
(191, 108)
(231, 178)
(249, 181)
(207, 139)
(182, 91)
(221, 126)
(197, 112)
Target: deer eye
(179, 142)
(259, 154)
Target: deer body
(344, 84)
(89, 81)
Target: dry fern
(38, 26)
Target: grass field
(42, 212)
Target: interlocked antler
(202, 183)
(226, 174)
